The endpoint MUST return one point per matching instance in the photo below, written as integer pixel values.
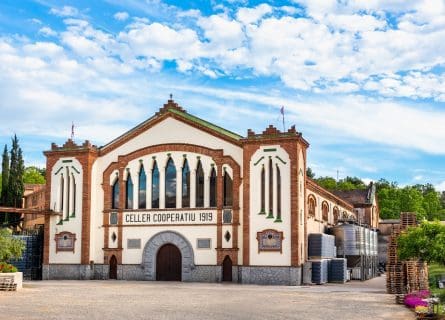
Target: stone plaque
(270, 240)
(133, 243)
(204, 243)
(65, 241)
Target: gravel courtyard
(174, 300)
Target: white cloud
(121, 16)
(252, 15)
(440, 186)
(65, 11)
(48, 32)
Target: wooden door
(113, 268)
(168, 263)
(227, 269)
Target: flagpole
(282, 112)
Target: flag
(72, 130)
(282, 110)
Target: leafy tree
(327, 183)
(411, 200)
(426, 242)
(33, 175)
(310, 173)
(10, 248)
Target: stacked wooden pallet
(7, 284)
(404, 276)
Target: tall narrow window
(270, 209)
(74, 195)
(62, 191)
(325, 211)
(155, 186)
(185, 185)
(336, 215)
(311, 206)
(142, 191)
(67, 194)
(228, 190)
(213, 187)
(263, 191)
(199, 185)
(129, 192)
(278, 195)
(170, 184)
(115, 195)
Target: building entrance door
(168, 263)
(227, 269)
(113, 267)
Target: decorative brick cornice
(170, 105)
(273, 135)
(70, 145)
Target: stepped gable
(71, 145)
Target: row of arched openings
(312, 203)
(170, 187)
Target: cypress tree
(15, 184)
(5, 176)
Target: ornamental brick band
(156, 242)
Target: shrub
(7, 268)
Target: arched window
(129, 192)
(213, 187)
(115, 195)
(170, 184)
(278, 195)
(336, 215)
(263, 191)
(311, 206)
(228, 190)
(155, 186)
(142, 191)
(325, 211)
(199, 185)
(270, 210)
(185, 185)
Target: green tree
(411, 200)
(310, 173)
(15, 181)
(426, 242)
(33, 175)
(5, 177)
(327, 183)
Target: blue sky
(363, 81)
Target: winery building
(179, 198)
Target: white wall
(71, 166)
(260, 222)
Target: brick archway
(156, 242)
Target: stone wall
(288, 276)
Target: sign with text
(170, 217)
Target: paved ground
(162, 300)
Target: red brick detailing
(290, 142)
(86, 154)
(108, 253)
(313, 186)
(216, 155)
(161, 116)
(232, 253)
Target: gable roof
(173, 110)
(358, 197)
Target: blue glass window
(185, 185)
(142, 189)
(199, 186)
(170, 184)
(129, 192)
(155, 186)
(115, 195)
